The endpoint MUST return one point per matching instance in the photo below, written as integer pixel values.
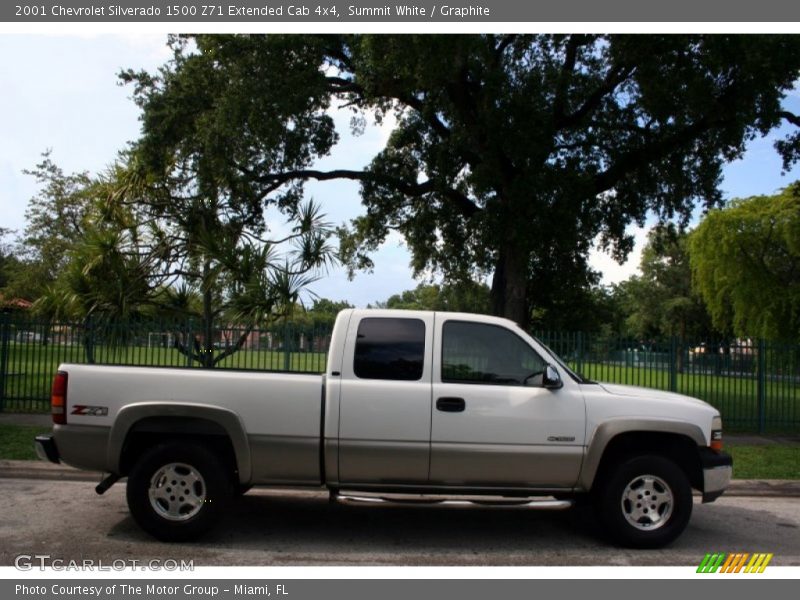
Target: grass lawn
(16, 441)
(765, 462)
(735, 395)
(31, 366)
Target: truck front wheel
(178, 491)
(645, 502)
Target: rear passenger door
(385, 400)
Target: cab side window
(389, 348)
(487, 354)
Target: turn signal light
(58, 398)
(716, 440)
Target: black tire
(200, 497)
(634, 523)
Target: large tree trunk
(509, 287)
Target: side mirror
(551, 379)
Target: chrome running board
(526, 504)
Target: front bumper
(46, 448)
(717, 470)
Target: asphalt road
(67, 520)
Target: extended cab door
(385, 399)
(493, 424)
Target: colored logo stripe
(734, 563)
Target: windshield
(576, 376)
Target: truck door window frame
(503, 380)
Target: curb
(36, 469)
(39, 469)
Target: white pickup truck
(412, 405)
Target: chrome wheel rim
(647, 502)
(177, 492)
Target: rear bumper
(717, 470)
(46, 448)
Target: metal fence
(31, 350)
(754, 383)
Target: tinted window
(479, 353)
(390, 349)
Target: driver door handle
(448, 404)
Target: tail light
(58, 398)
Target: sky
(60, 93)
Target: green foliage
(147, 247)
(511, 153)
(765, 462)
(322, 313)
(746, 265)
(56, 220)
(470, 296)
(16, 441)
(9, 262)
(661, 302)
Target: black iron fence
(754, 383)
(31, 350)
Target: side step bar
(527, 504)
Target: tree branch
(652, 151)
(570, 56)
(235, 347)
(505, 42)
(613, 79)
(465, 205)
(791, 117)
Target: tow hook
(103, 486)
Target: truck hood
(649, 394)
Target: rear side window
(390, 349)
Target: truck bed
(280, 413)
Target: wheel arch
(189, 420)
(677, 440)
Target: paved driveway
(67, 520)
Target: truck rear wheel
(645, 502)
(178, 491)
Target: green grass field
(735, 396)
(16, 441)
(765, 462)
(31, 366)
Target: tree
(745, 262)
(214, 264)
(146, 251)
(323, 312)
(511, 155)
(469, 296)
(661, 300)
(55, 221)
(8, 260)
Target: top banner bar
(353, 11)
